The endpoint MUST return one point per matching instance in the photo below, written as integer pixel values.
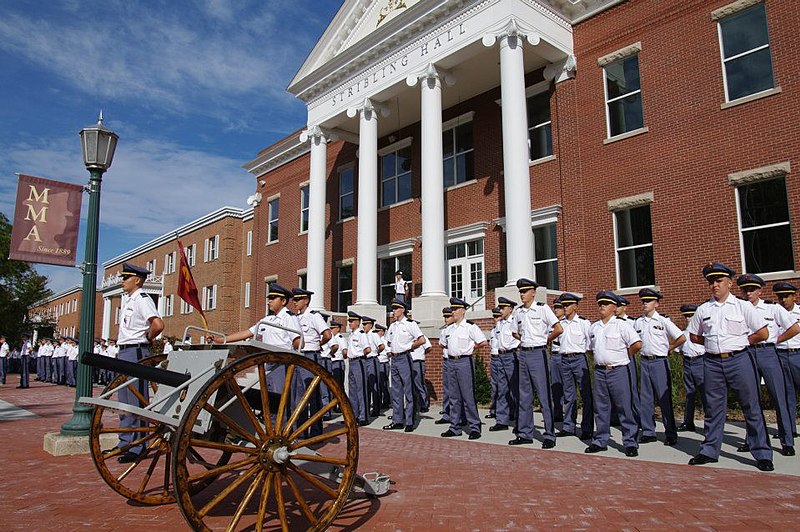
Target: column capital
(511, 28)
(561, 70)
(316, 133)
(431, 71)
(368, 106)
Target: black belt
(505, 351)
(457, 357)
(692, 358)
(608, 367)
(128, 346)
(727, 355)
(534, 347)
(651, 357)
(790, 350)
(764, 344)
(572, 354)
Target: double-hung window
(304, 208)
(633, 238)
(540, 134)
(344, 288)
(211, 248)
(465, 269)
(395, 168)
(746, 56)
(388, 267)
(169, 263)
(623, 96)
(272, 224)
(210, 297)
(545, 255)
(458, 151)
(765, 227)
(346, 193)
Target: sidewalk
(441, 484)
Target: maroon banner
(46, 220)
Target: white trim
(541, 160)
(626, 135)
(345, 262)
(472, 181)
(247, 294)
(398, 204)
(396, 249)
(617, 249)
(542, 216)
(459, 120)
(751, 97)
(271, 278)
(399, 145)
(466, 233)
(740, 230)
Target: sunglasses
(272, 297)
(353, 319)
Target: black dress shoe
(441, 422)
(449, 434)
(490, 416)
(364, 423)
(563, 433)
(109, 451)
(631, 451)
(393, 426)
(777, 436)
(669, 442)
(520, 441)
(128, 458)
(474, 435)
(593, 448)
(548, 444)
(765, 465)
(424, 410)
(498, 426)
(647, 439)
(702, 459)
(743, 448)
(683, 427)
(787, 450)
(409, 428)
(586, 435)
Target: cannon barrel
(148, 373)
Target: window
(247, 294)
(191, 253)
(272, 227)
(540, 135)
(458, 153)
(766, 233)
(634, 244)
(545, 255)
(249, 243)
(186, 308)
(212, 248)
(168, 305)
(304, 208)
(302, 281)
(151, 266)
(623, 96)
(395, 176)
(75, 305)
(210, 297)
(387, 269)
(346, 194)
(345, 288)
(465, 268)
(746, 56)
(169, 263)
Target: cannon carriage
(222, 436)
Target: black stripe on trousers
(364, 386)
(669, 386)
(549, 390)
(630, 392)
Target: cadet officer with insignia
(372, 401)
(789, 350)
(384, 399)
(447, 397)
(461, 339)
(659, 337)
(403, 336)
(693, 373)
(418, 375)
(611, 340)
(356, 350)
(723, 325)
(781, 327)
(337, 346)
(556, 383)
(507, 372)
(140, 324)
(493, 363)
(575, 369)
(530, 325)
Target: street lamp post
(98, 145)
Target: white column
(519, 235)
(315, 263)
(367, 254)
(106, 317)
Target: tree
(20, 288)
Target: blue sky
(193, 89)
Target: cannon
(223, 437)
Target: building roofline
(285, 150)
(66, 292)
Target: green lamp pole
(98, 145)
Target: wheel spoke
(138, 460)
(129, 446)
(320, 438)
(230, 488)
(287, 385)
(149, 472)
(221, 469)
(234, 387)
(302, 404)
(320, 458)
(220, 446)
(245, 501)
(262, 383)
(313, 419)
(312, 479)
(234, 426)
(301, 501)
(262, 505)
(167, 471)
(281, 505)
(142, 401)
(120, 430)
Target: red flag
(187, 290)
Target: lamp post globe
(98, 145)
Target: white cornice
(284, 151)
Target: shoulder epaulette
(414, 321)
(665, 316)
(742, 298)
(582, 318)
(539, 304)
(144, 295)
(470, 322)
(289, 312)
(314, 312)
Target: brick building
(63, 311)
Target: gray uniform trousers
(59, 370)
(371, 382)
(300, 384)
(324, 392)
(402, 389)
(462, 386)
(494, 372)
(420, 390)
(556, 386)
(575, 375)
(506, 387)
(534, 376)
(656, 387)
(770, 369)
(693, 380)
(337, 370)
(447, 396)
(24, 371)
(47, 365)
(384, 398)
(613, 387)
(39, 367)
(70, 371)
(790, 362)
(357, 388)
(738, 372)
(132, 354)
(3, 369)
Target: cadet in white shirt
(575, 374)
(372, 403)
(447, 397)
(659, 336)
(494, 363)
(789, 350)
(421, 403)
(403, 336)
(507, 385)
(4, 350)
(384, 397)
(336, 347)
(692, 373)
(356, 351)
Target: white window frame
(151, 265)
(620, 56)
(169, 262)
(116, 316)
(530, 92)
(168, 305)
(617, 249)
(339, 291)
(466, 262)
(389, 150)
(209, 297)
(304, 206)
(191, 254)
(273, 217)
(451, 125)
(211, 249)
(247, 294)
(350, 167)
(544, 261)
(249, 243)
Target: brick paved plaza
(441, 484)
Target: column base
(57, 444)
(373, 310)
(427, 310)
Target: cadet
(611, 340)
(337, 346)
(372, 402)
(507, 374)
(24, 360)
(556, 383)
(461, 339)
(325, 362)
(403, 336)
(316, 333)
(530, 325)
(59, 355)
(72, 362)
(384, 399)
(692, 373)
(659, 337)
(634, 368)
(789, 350)
(4, 350)
(575, 369)
(447, 397)
(140, 323)
(723, 325)
(357, 348)
(494, 363)
(418, 375)
(777, 319)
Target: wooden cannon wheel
(147, 480)
(278, 474)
